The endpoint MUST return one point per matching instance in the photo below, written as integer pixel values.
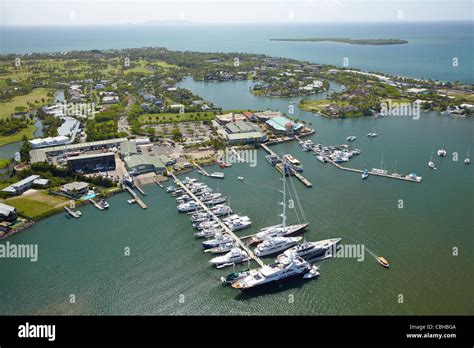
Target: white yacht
(275, 245)
(189, 180)
(188, 206)
(234, 256)
(321, 158)
(217, 175)
(222, 248)
(215, 201)
(218, 240)
(278, 271)
(239, 224)
(372, 135)
(208, 232)
(221, 210)
(293, 162)
(309, 250)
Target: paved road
(123, 125)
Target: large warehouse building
(141, 164)
(104, 161)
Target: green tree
(25, 150)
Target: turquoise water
(429, 54)
(167, 273)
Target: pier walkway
(219, 221)
(203, 171)
(134, 195)
(299, 176)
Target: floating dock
(137, 199)
(299, 176)
(219, 221)
(385, 175)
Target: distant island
(350, 41)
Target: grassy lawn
(175, 117)
(163, 64)
(8, 108)
(37, 204)
(18, 136)
(316, 105)
(3, 163)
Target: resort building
(266, 115)
(243, 132)
(141, 164)
(47, 142)
(41, 155)
(21, 186)
(103, 161)
(230, 117)
(7, 213)
(283, 125)
(75, 189)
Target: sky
(93, 12)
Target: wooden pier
(135, 196)
(299, 176)
(140, 189)
(219, 221)
(384, 175)
(157, 182)
(97, 205)
(203, 171)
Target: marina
(136, 199)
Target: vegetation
(169, 117)
(37, 204)
(351, 41)
(4, 163)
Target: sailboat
(379, 170)
(467, 160)
(282, 229)
(430, 162)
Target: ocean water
(429, 54)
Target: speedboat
(241, 178)
(467, 160)
(234, 256)
(383, 262)
(310, 250)
(104, 204)
(215, 201)
(313, 273)
(188, 206)
(234, 276)
(442, 152)
(431, 165)
(275, 245)
(275, 272)
(351, 138)
(413, 177)
(170, 189)
(218, 240)
(205, 224)
(365, 174)
(217, 175)
(372, 135)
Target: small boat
(234, 276)
(383, 261)
(227, 164)
(131, 200)
(313, 273)
(241, 178)
(365, 174)
(372, 135)
(223, 248)
(351, 138)
(222, 165)
(442, 152)
(217, 175)
(467, 160)
(321, 159)
(431, 165)
(272, 159)
(104, 204)
(234, 256)
(170, 189)
(219, 239)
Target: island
(376, 42)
